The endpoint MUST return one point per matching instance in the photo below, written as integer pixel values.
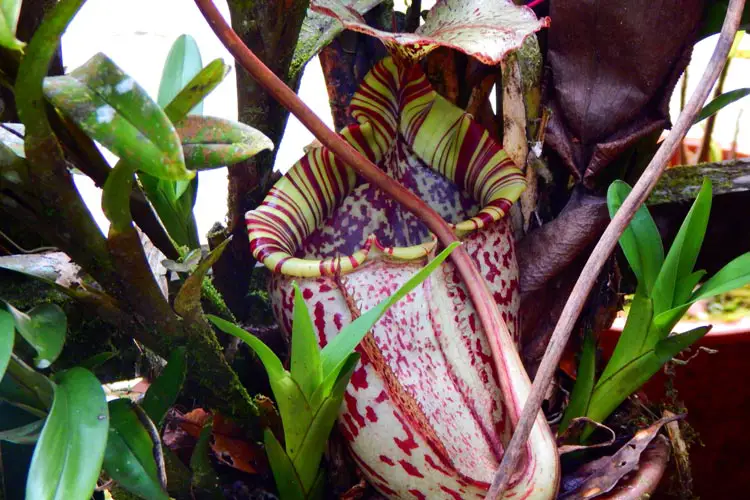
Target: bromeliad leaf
(43, 327)
(214, 142)
(485, 30)
(131, 450)
(68, 456)
(114, 110)
(182, 65)
(287, 480)
(640, 242)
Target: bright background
(137, 35)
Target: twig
(493, 324)
(606, 245)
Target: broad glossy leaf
(68, 456)
(640, 242)
(306, 368)
(44, 327)
(336, 351)
(9, 12)
(721, 102)
(114, 110)
(584, 386)
(182, 65)
(733, 275)
(7, 337)
(129, 457)
(684, 251)
(163, 392)
(24, 387)
(210, 142)
(26, 434)
(485, 30)
(287, 481)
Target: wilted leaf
(9, 12)
(209, 142)
(569, 440)
(187, 303)
(485, 30)
(114, 110)
(68, 456)
(44, 327)
(603, 105)
(131, 450)
(601, 476)
(163, 392)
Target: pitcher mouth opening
(395, 107)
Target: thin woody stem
(606, 245)
(492, 323)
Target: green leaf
(7, 336)
(187, 303)
(324, 389)
(640, 242)
(720, 102)
(68, 456)
(294, 407)
(287, 481)
(306, 369)
(684, 251)
(733, 275)
(196, 90)
(182, 64)
(210, 142)
(9, 12)
(584, 386)
(24, 387)
(113, 109)
(162, 394)
(97, 360)
(668, 348)
(43, 327)
(116, 196)
(129, 458)
(307, 460)
(26, 434)
(204, 481)
(336, 351)
(686, 285)
(634, 336)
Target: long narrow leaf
(733, 275)
(336, 351)
(634, 336)
(671, 346)
(640, 242)
(164, 390)
(182, 64)
(26, 388)
(584, 386)
(68, 456)
(26, 434)
(287, 481)
(305, 367)
(720, 102)
(684, 251)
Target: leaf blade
(163, 392)
(44, 327)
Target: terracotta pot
(713, 388)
